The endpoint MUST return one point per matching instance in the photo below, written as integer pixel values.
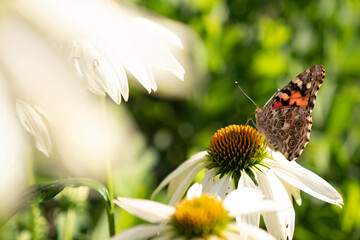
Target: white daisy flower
(238, 154)
(199, 216)
(105, 41)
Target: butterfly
(285, 121)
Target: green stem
(33, 210)
(110, 187)
(69, 224)
(33, 207)
(110, 210)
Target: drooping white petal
(222, 187)
(306, 181)
(280, 224)
(176, 182)
(246, 181)
(117, 40)
(246, 231)
(253, 219)
(139, 232)
(194, 191)
(180, 191)
(150, 211)
(35, 124)
(208, 180)
(98, 66)
(190, 163)
(154, 52)
(292, 191)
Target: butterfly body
(285, 121)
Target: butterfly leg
(250, 119)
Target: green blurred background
(262, 45)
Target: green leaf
(40, 193)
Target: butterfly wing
(287, 130)
(301, 91)
(285, 120)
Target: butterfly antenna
(237, 84)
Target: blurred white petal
(254, 219)
(83, 136)
(249, 232)
(33, 121)
(151, 211)
(139, 232)
(12, 153)
(194, 191)
(107, 39)
(244, 201)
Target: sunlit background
(260, 44)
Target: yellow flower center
(236, 148)
(201, 217)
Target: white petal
(292, 191)
(83, 136)
(139, 232)
(12, 154)
(166, 235)
(121, 74)
(306, 180)
(249, 201)
(178, 194)
(35, 124)
(162, 33)
(154, 52)
(208, 181)
(194, 191)
(248, 232)
(194, 160)
(280, 224)
(254, 219)
(99, 71)
(137, 44)
(176, 182)
(223, 187)
(151, 211)
(246, 181)
(242, 195)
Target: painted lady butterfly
(285, 121)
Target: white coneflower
(199, 216)
(239, 154)
(106, 41)
(41, 75)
